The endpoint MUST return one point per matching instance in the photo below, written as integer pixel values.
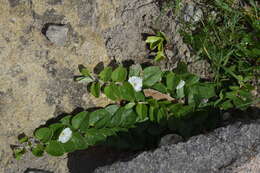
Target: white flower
(136, 82)
(180, 85)
(65, 135)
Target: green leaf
(69, 146)
(112, 109)
(123, 118)
(105, 75)
(56, 126)
(56, 129)
(180, 110)
(119, 74)
(181, 68)
(130, 105)
(160, 55)
(160, 87)
(139, 96)
(226, 105)
(111, 91)
(127, 92)
(142, 112)
(180, 92)
(154, 45)
(84, 71)
(79, 141)
(135, 70)
(54, 148)
(152, 39)
(98, 115)
(190, 79)
(95, 89)
(43, 134)
(79, 119)
(160, 48)
(162, 35)
(162, 115)
(94, 136)
(171, 82)
(201, 91)
(66, 120)
(152, 75)
(38, 150)
(23, 138)
(85, 79)
(153, 111)
(19, 152)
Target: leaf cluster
(157, 43)
(166, 105)
(228, 39)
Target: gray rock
(192, 13)
(226, 116)
(14, 3)
(170, 139)
(126, 39)
(57, 34)
(222, 151)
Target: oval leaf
(119, 74)
(95, 89)
(43, 134)
(105, 75)
(142, 111)
(111, 91)
(78, 119)
(55, 148)
(127, 92)
(152, 75)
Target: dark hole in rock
(113, 63)
(128, 63)
(46, 26)
(98, 68)
(32, 170)
(14, 3)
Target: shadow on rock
(86, 161)
(31, 170)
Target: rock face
(231, 149)
(42, 42)
(57, 34)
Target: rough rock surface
(57, 34)
(230, 149)
(36, 76)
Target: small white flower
(65, 135)
(205, 100)
(180, 85)
(136, 82)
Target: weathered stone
(13, 3)
(192, 13)
(170, 139)
(230, 149)
(57, 34)
(36, 77)
(55, 2)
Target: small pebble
(170, 139)
(226, 116)
(57, 34)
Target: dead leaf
(158, 95)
